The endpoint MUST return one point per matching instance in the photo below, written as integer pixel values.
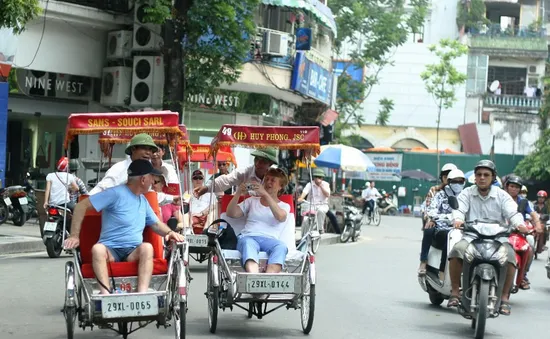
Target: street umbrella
(343, 157)
(417, 174)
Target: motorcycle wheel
(19, 218)
(481, 314)
(4, 213)
(436, 298)
(54, 247)
(346, 233)
(392, 211)
(356, 232)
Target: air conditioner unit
(119, 45)
(115, 86)
(72, 87)
(147, 81)
(34, 83)
(275, 43)
(532, 69)
(147, 36)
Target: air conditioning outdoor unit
(116, 85)
(147, 36)
(147, 81)
(532, 69)
(119, 45)
(275, 43)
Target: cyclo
(167, 296)
(196, 239)
(228, 285)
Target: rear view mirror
(453, 202)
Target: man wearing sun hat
(263, 160)
(142, 146)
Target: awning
(328, 117)
(315, 7)
(470, 138)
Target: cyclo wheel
(315, 243)
(70, 318)
(307, 302)
(179, 308)
(213, 297)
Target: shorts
(460, 247)
(121, 254)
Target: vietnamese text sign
(387, 166)
(311, 79)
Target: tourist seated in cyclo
(170, 213)
(142, 146)
(125, 214)
(266, 218)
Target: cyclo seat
(89, 236)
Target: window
(477, 74)
(511, 79)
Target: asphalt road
(364, 290)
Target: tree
(536, 165)
(471, 15)
(207, 42)
(374, 29)
(441, 79)
(16, 14)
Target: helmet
(523, 189)
(63, 164)
(486, 164)
(73, 165)
(455, 174)
(448, 167)
(514, 179)
(542, 193)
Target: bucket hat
(142, 139)
(317, 172)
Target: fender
(484, 272)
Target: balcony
(511, 42)
(516, 102)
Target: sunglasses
(198, 178)
(156, 182)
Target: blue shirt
(124, 216)
(528, 209)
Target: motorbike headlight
(501, 255)
(471, 253)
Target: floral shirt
(439, 205)
(428, 200)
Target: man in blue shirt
(125, 214)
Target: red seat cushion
(226, 199)
(89, 236)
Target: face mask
(523, 196)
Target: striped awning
(315, 7)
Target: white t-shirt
(316, 196)
(260, 221)
(59, 191)
(370, 194)
(198, 205)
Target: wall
(528, 12)
(441, 23)
(3, 132)
(514, 134)
(387, 136)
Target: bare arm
(47, 193)
(161, 228)
(324, 189)
(233, 209)
(78, 216)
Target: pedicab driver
(126, 212)
(263, 160)
(141, 146)
(483, 201)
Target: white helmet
(448, 167)
(455, 174)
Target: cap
(197, 172)
(140, 167)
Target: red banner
(123, 137)
(201, 153)
(282, 137)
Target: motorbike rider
(434, 189)
(438, 229)
(541, 207)
(483, 202)
(514, 186)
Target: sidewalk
(14, 239)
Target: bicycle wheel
(376, 217)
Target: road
(366, 289)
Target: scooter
(438, 290)
(352, 224)
(386, 204)
(521, 245)
(52, 235)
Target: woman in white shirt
(199, 207)
(266, 218)
(58, 185)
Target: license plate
(270, 284)
(197, 240)
(50, 226)
(23, 201)
(121, 306)
(7, 201)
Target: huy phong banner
(387, 166)
(8, 47)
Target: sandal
(505, 308)
(525, 285)
(453, 301)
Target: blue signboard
(303, 39)
(311, 79)
(357, 73)
(3, 130)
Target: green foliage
(375, 28)
(210, 63)
(473, 17)
(16, 14)
(536, 165)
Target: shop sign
(214, 100)
(230, 101)
(311, 79)
(387, 167)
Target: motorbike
(386, 203)
(521, 245)
(352, 224)
(18, 203)
(52, 233)
(439, 290)
(4, 210)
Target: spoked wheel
(376, 217)
(180, 316)
(213, 298)
(346, 233)
(123, 329)
(179, 307)
(316, 241)
(70, 318)
(481, 314)
(307, 302)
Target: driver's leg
(100, 257)
(455, 269)
(371, 207)
(510, 274)
(143, 254)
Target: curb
(330, 239)
(22, 247)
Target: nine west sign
(60, 85)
